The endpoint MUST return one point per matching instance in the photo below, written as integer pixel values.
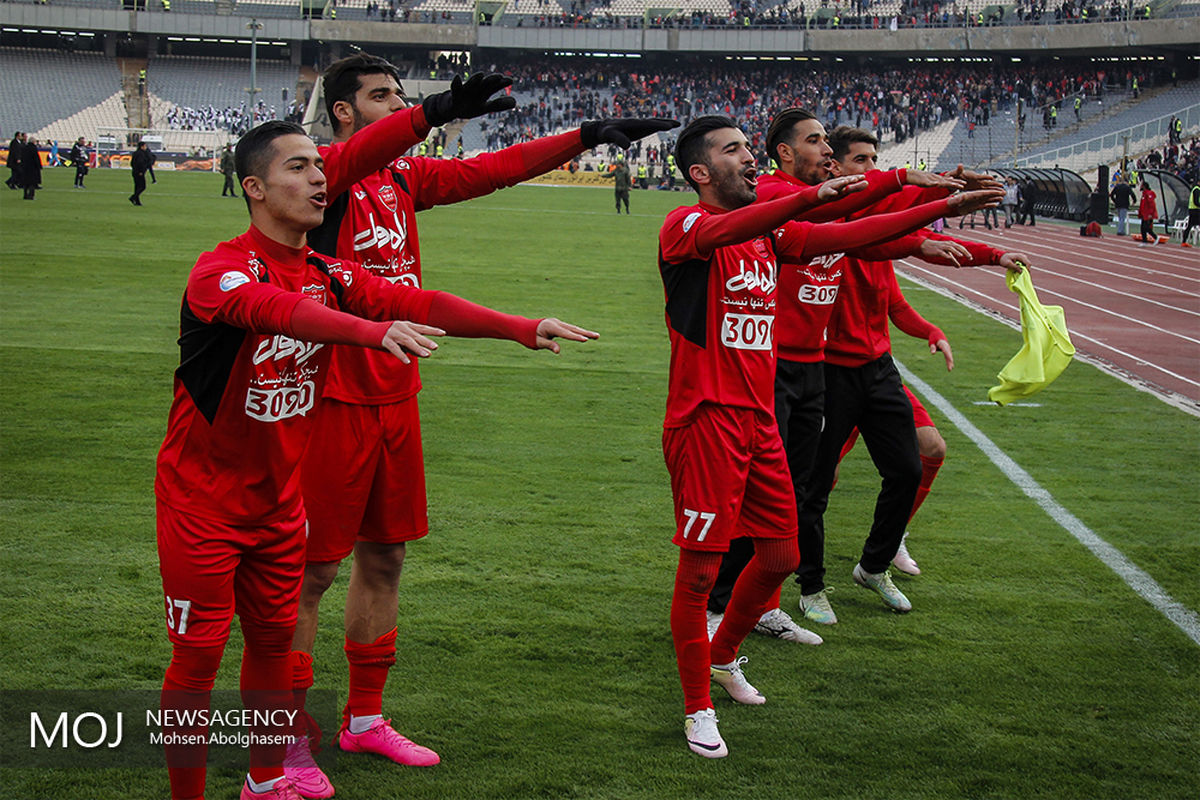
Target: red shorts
(212, 570)
(363, 478)
(921, 419)
(729, 478)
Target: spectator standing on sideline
(1122, 197)
(79, 158)
(1012, 196)
(1193, 212)
(1029, 198)
(1148, 212)
(138, 164)
(31, 168)
(621, 182)
(227, 169)
(16, 149)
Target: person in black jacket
(79, 157)
(141, 161)
(31, 168)
(15, 150)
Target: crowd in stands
(234, 119)
(1175, 157)
(893, 102)
(859, 14)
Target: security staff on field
(621, 183)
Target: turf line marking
(1146, 587)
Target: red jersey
(245, 387)
(808, 291)
(858, 330)
(720, 315)
(1148, 207)
(374, 223)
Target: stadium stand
(85, 94)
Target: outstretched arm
(758, 219)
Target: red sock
(369, 665)
(266, 684)
(694, 578)
(929, 471)
(187, 686)
(302, 681)
(774, 560)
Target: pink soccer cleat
(382, 739)
(282, 790)
(303, 773)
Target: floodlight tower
(255, 26)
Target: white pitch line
(1137, 579)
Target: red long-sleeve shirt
(371, 219)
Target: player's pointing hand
(965, 202)
(468, 100)
(621, 132)
(945, 249)
(931, 180)
(404, 337)
(837, 187)
(550, 329)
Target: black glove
(468, 100)
(621, 132)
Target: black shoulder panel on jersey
(398, 177)
(687, 298)
(324, 237)
(335, 285)
(207, 351)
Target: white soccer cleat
(778, 624)
(904, 560)
(702, 734)
(731, 678)
(881, 584)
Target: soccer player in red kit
(370, 500)
(858, 342)
(719, 262)
(257, 317)
(798, 144)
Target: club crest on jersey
(387, 196)
(316, 291)
(760, 247)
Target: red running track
(1133, 309)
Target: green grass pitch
(534, 648)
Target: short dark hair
(841, 137)
(254, 149)
(342, 79)
(690, 148)
(781, 128)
